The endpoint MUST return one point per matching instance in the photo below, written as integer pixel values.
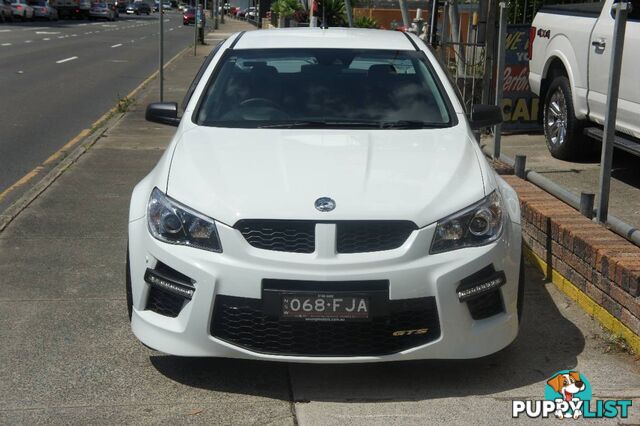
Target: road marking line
(66, 60)
(6, 44)
(116, 45)
(27, 41)
(47, 32)
(68, 145)
(5, 31)
(82, 25)
(90, 32)
(46, 39)
(23, 180)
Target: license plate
(325, 307)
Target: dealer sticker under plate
(324, 307)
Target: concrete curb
(590, 306)
(82, 145)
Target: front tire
(128, 287)
(521, 281)
(562, 130)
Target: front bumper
(238, 274)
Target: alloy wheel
(556, 120)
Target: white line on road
(66, 60)
(47, 32)
(116, 45)
(46, 39)
(27, 41)
(90, 32)
(5, 31)
(82, 25)
(6, 44)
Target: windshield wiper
(317, 124)
(409, 124)
(309, 124)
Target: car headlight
(173, 223)
(476, 225)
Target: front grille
(279, 235)
(368, 236)
(298, 236)
(164, 303)
(242, 322)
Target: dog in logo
(567, 385)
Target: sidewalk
(67, 355)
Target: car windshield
(323, 88)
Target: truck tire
(562, 130)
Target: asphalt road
(56, 79)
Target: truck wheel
(562, 130)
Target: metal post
(444, 34)
(313, 20)
(502, 35)
(586, 204)
(347, 6)
(520, 165)
(433, 24)
(222, 12)
(161, 71)
(612, 106)
(405, 14)
(195, 29)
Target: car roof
(336, 38)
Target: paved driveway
(581, 176)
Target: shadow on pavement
(547, 343)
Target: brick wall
(597, 261)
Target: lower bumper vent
(242, 322)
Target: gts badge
(410, 332)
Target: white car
(20, 9)
(324, 200)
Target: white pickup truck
(569, 57)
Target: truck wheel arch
(554, 67)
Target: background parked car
(21, 10)
(5, 11)
(102, 11)
(189, 16)
(138, 8)
(42, 10)
(72, 8)
(121, 6)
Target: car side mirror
(485, 116)
(163, 113)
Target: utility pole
(615, 67)
(161, 71)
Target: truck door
(628, 120)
